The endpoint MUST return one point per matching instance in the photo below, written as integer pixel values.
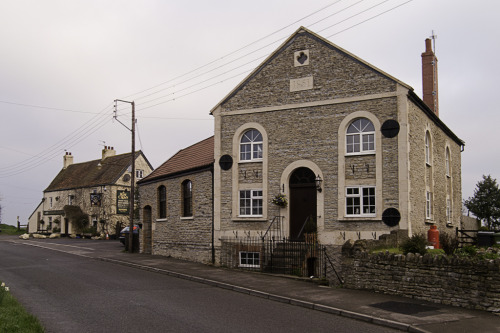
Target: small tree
(485, 204)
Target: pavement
(395, 312)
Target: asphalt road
(69, 293)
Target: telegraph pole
(132, 178)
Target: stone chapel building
(354, 151)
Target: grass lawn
(13, 317)
(10, 230)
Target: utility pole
(132, 178)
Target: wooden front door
(302, 201)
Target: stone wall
(436, 179)
(473, 284)
(188, 238)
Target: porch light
(318, 181)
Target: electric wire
(74, 139)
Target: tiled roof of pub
(197, 156)
(89, 173)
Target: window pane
(245, 152)
(368, 142)
(257, 150)
(366, 125)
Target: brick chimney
(430, 77)
(107, 152)
(67, 160)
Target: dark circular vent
(391, 217)
(390, 128)
(226, 162)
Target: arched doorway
(147, 230)
(303, 205)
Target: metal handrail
(277, 220)
(303, 226)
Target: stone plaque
(305, 83)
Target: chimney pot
(67, 160)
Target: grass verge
(13, 317)
(10, 230)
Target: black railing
(272, 255)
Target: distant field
(10, 230)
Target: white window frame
(50, 202)
(363, 137)
(139, 173)
(255, 196)
(358, 192)
(428, 205)
(447, 161)
(256, 148)
(448, 210)
(70, 200)
(252, 259)
(428, 148)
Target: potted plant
(280, 200)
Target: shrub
(448, 243)
(467, 251)
(414, 244)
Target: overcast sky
(62, 63)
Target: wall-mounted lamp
(318, 181)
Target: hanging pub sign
(95, 199)
(122, 202)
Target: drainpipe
(213, 206)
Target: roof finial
(433, 37)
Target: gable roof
(285, 44)
(196, 157)
(88, 174)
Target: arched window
(162, 202)
(427, 147)
(187, 198)
(251, 146)
(447, 162)
(360, 137)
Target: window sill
(249, 219)
(360, 219)
(161, 220)
(361, 153)
(250, 161)
(429, 221)
(187, 218)
(428, 164)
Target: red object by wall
(433, 236)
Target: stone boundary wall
(473, 284)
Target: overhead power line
(94, 124)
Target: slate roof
(195, 157)
(88, 174)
